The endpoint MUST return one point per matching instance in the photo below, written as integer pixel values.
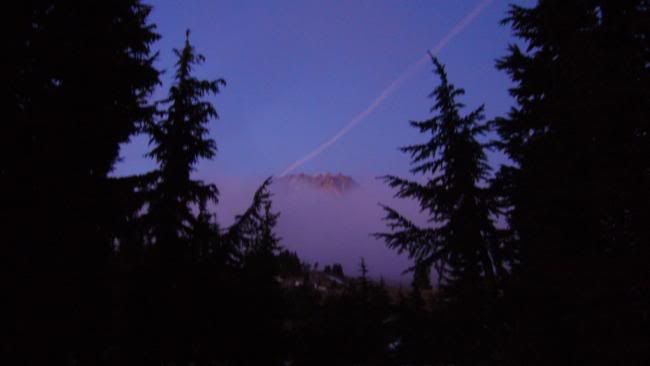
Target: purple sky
(298, 71)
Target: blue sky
(300, 70)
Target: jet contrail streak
(453, 32)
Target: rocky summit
(326, 182)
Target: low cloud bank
(328, 228)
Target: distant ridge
(338, 184)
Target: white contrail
(453, 32)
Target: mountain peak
(325, 182)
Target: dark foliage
(97, 270)
(77, 76)
(462, 244)
(180, 140)
(348, 328)
(289, 263)
(578, 193)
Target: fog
(327, 227)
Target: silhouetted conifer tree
(289, 263)
(363, 280)
(460, 246)
(578, 191)
(254, 246)
(337, 270)
(421, 278)
(180, 139)
(253, 231)
(179, 281)
(78, 75)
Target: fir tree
(363, 269)
(460, 244)
(289, 263)
(78, 77)
(179, 140)
(363, 280)
(253, 246)
(421, 278)
(578, 190)
(337, 270)
(253, 234)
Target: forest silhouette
(543, 261)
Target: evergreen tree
(421, 279)
(363, 269)
(180, 139)
(253, 246)
(253, 231)
(78, 76)
(180, 232)
(288, 263)
(460, 245)
(578, 191)
(337, 270)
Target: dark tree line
(566, 281)
(98, 270)
(77, 80)
(577, 195)
(463, 245)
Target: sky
(300, 71)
